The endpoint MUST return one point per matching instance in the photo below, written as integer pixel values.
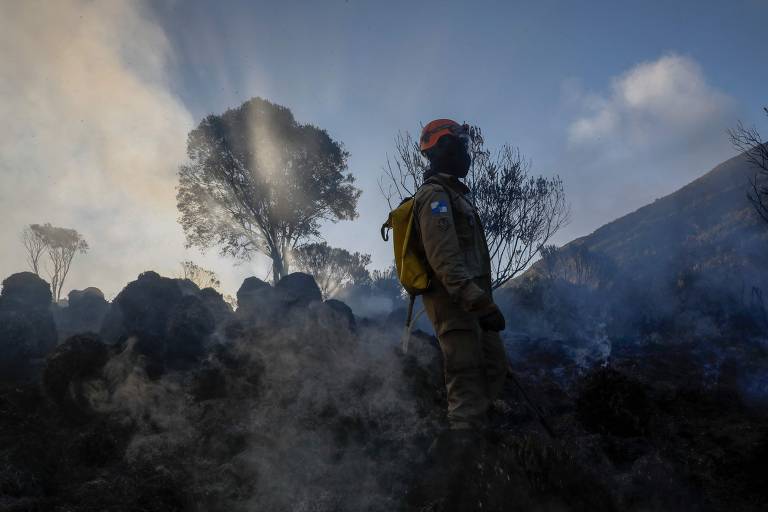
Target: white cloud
(659, 126)
(659, 103)
(91, 136)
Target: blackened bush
(80, 357)
(610, 402)
(188, 326)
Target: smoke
(315, 416)
(92, 135)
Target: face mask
(452, 157)
(464, 159)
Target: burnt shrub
(80, 357)
(610, 402)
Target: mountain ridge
(706, 224)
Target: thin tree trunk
(277, 267)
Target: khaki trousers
(475, 368)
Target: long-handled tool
(536, 410)
(409, 321)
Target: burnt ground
(303, 407)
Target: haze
(625, 102)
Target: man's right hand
(491, 318)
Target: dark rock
(298, 289)
(112, 329)
(77, 359)
(216, 305)
(168, 319)
(146, 304)
(661, 428)
(188, 327)
(87, 300)
(256, 307)
(27, 328)
(187, 287)
(85, 312)
(343, 311)
(25, 291)
(253, 293)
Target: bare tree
(34, 244)
(403, 176)
(258, 181)
(576, 264)
(386, 282)
(520, 213)
(749, 141)
(202, 277)
(549, 261)
(61, 245)
(332, 267)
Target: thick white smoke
(91, 136)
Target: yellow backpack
(412, 269)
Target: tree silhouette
(202, 277)
(259, 182)
(60, 244)
(34, 245)
(332, 267)
(749, 141)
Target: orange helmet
(439, 127)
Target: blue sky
(364, 70)
(627, 101)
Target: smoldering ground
(292, 403)
(303, 417)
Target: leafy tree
(749, 141)
(520, 213)
(202, 277)
(60, 244)
(259, 182)
(34, 244)
(332, 267)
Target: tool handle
(536, 411)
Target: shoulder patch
(438, 207)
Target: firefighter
(459, 302)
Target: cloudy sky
(627, 101)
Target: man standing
(459, 302)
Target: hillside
(708, 224)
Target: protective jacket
(456, 251)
